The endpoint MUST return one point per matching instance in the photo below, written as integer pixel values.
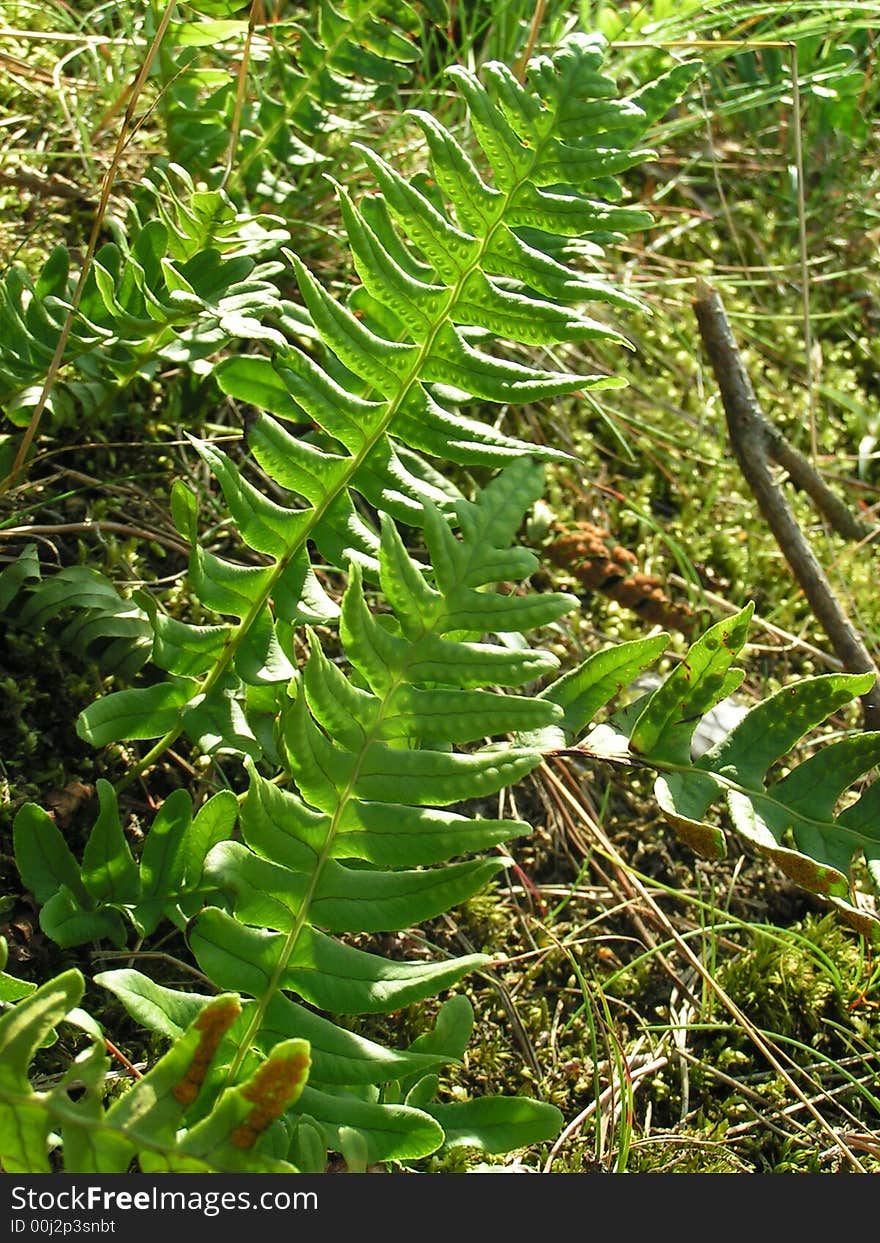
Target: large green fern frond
(315, 76)
(356, 840)
(809, 821)
(360, 761)
(449, 288)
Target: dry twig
(753, 441)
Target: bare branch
(748, 430)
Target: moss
(799, 983)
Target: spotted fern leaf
(66, 1126)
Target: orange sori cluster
(211, 1024)
(273, 1087)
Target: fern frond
(90, 900)
(318, 74)
(359, 842)
(157, 1121)
(186, 282)
(360, 839)
(364, 760)
(807, 821)
(388, 356)
(104, 627)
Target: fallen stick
(754, 441)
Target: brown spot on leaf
(807, 874)
(273, 1087)
(704, 840)
(213, 1022)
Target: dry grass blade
(639, 1070)
(98, 524)
(662, 921)
(257, 17)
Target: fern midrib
(318, 512)
(302, 919)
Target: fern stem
(299, 923)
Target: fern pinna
(100, 624)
